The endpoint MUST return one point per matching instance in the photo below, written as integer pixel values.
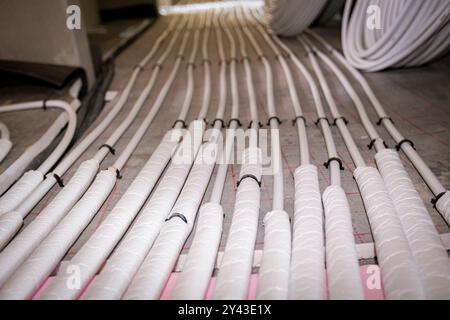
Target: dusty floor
(417, 100)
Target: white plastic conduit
(429, 252)
(344, 281)
(5, 142)
(13, 219)
(399, 272)
(199, 264)
(29, 276)
(95, 251)
(24, 243)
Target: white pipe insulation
(421, 31)
(95, 251)
(28, 276)
(400, 274)
(5, 142)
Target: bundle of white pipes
(291, 17)
(426, 246)
(382, 34)
(5, 142)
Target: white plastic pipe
(5, 142)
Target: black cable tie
(138, 66)
(190, 64)
(341, 117)
(399, 145)
(44, 104)
(327, 164)
(261, 56)
(205, 121)
(217, 119)
(372, 143)
(274, 117)
(245, 58)
(118, 175)
(235, 119)
(178, 215)
(251, 176)
(278, 56)
(380, 120)
(159, 65)
(179, 55)
(59, 180)
(435, 200)
(184, 126)
(299, 117)
(318, 120)
(110, 148)
(251, 122)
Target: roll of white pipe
(152, 275)
(426, 246)
(122, 265)
(31, 274)
(236, 266)
(97, 248)
(307, 271)
(273, 279)
(291, 17)
(443, 206)
(344, 281)
(194, 279)
(399, 272)
(25, 242)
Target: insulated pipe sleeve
(30, 275)
(25, 242)
(152, 275)
(95, 251)
(426, 246)
(194, 280)
(399, 272)
(443, 206)
(274, 272)
(5, 147)
(307, 272)
(344, 281)
(236, 266)
(122, 265)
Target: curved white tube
(344, 281)
(30, 275)
(273, 278)
(97, 248)
(307, 272)
(5, 142)
(193, 281)
(234, 271)
(401, 279)
(426, 246)
(128, 256)
(443, 206)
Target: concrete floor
(417, 100)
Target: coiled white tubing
(273, 279)
(443, 206)
(122, 265)
(399, 272)
(344, 281)
(5, 142)
(421, 31)
(307, 270)
(291, 17)
(152, 275)
(426, 246)
(236, 266)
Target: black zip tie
(435, 200)
(44, 104)
(251, 176)
(190, 64)
(318, 120)
(159, 65)
(217, 119)
(380, 120)
(59, 180)
(118, 175)
(398, 146)
(260, 56)
(179, 55)
(274, 117)
(245, 58)
(372, 143)
(235, 119)
(184, 126)
(251, 122)
(327, 164)
(278, 56)
(179, 215)
(341, 117)
(299, 117)
(110, 148)
(138, 66)
(205, 121)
